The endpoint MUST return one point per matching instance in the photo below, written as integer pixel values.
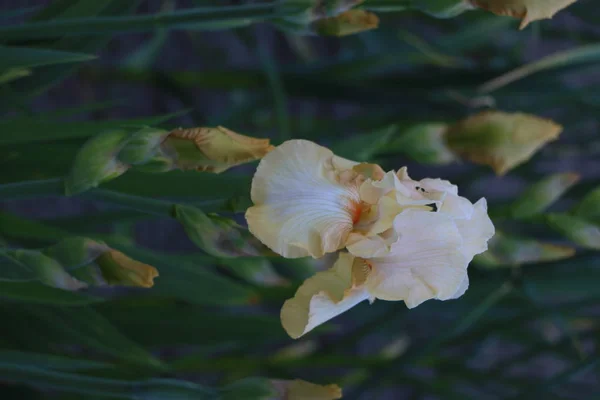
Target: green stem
(156, 207)
(55, 187)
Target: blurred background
(528, 327)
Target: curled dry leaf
(214, 149)
(303, 390)
(500, 140)
(526, 10)
(347, 23)
(118, 269)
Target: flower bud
(97, 162)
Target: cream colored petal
(341, 163)
(371, 246)
(402, 174)
(457, 207)
(300, 206)
(425, 263)
(371, 191)
(462, 288)
(322, 297)
(476, 231)
(440, 185)
(451, 203)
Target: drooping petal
(425, 263)
(301, 207)
(323, 296)
(476, 231)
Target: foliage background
(521, 331)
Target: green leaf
(43, 129)
(84, 326)
(38, 293)
(26, 57)
(13, 74)
(541, 195)
(258, 270)
(424, 143)
(192, 281)
(13, 226)
(150, 389)
(200, 18)
(50, 361)
(249, 388)
(581, 55)
(579, 230)
(366, 146)
(218, 236)
(201, 186)
(65, 9)
(442, 8)
(508, 251)
(190, 324)
(589, 206)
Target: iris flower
(398, 239)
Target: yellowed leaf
(526, 10)
(500, 140)
(347, 23)
(303, 390)
(118, 269)
(214, 149)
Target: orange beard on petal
(355, 210)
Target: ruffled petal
(301, 207)
(426, 262)
(372, 190)
(364, 246)
(476, 231)
(324, 295)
